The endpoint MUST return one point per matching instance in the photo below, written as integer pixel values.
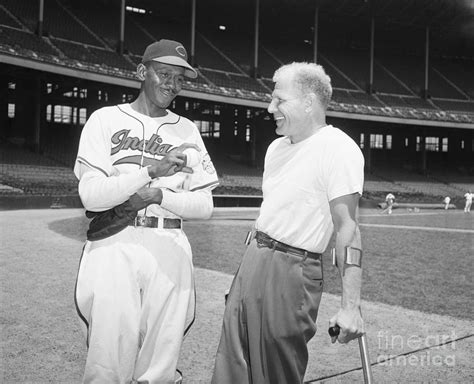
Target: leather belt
(266, 241)
(156, 222)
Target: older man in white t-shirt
(312, 182)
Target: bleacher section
(26, 173)
(37, 180)
(459, 73)
(237, 47)
(455, 105)
(25, 43)
(104, 22)
(74, 39)
(432, 185)
(26, 11)
(62, 24)
(207, 56)
(6, 19)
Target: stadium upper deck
(84, 36)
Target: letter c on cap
(181, 51)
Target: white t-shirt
(301, 179)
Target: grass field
(414, 261)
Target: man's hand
(173, 162)
(351, 325)
(146, 196)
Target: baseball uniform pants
(135, 296)
(269, 318)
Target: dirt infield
(41, 341)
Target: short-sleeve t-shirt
(301, 179)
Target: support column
(427, 63)
(423, 153)
(122, 28)
(315, 35)
(40, 18)
(193, 33)
(367, 152)
(257, 22)
(37, 114)
(370, 87)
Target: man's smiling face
(162, 83)
(287, 107)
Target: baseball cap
(169, 52)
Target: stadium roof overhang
(131, 83)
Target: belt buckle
(140, 221)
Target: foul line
(389, 359)
(432, 229)
(380, 214)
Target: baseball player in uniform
(135, 289)
(312, 181)
(468, 196)
(389, 199)
(446, 201)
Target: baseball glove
(108, 223)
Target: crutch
(364, 354)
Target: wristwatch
(352, 256)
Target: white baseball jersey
(118, 141)
(135, 289)
(301, 179)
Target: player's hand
(350, 323)
(146, 196)
(173, 162)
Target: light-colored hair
(308, 77)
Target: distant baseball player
(446, 201)
(312, 182)
(135, 285)
(389, 199)
(468, 196)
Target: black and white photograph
(236, 191)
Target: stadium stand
(26, 42)
(455, 105)
(25, 172)
(459, 73)
(25, 12)
(6, 18)
(209, 56)
(73, 38)
(102, 26)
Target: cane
(364, 354)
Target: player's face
(162, 83)
(287, 107)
